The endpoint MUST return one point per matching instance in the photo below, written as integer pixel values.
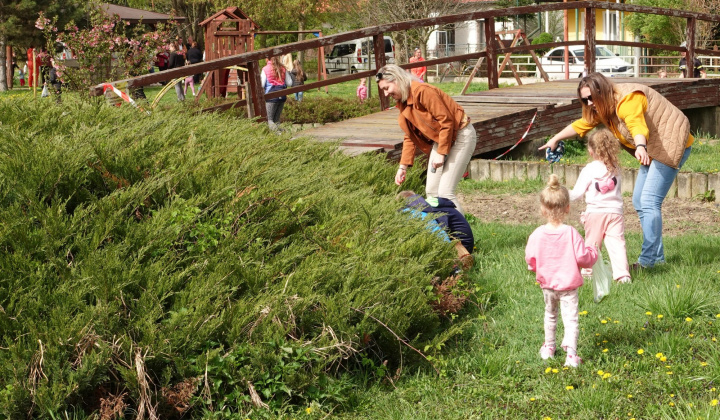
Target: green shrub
(148, 258)
(543, 38)
(327, 109)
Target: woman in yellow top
(650, 128)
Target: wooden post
(255, 91)
(535, 58)
(590, 40)
(9, 72)
(690, 56)
(491, 55)
(565, 38)
(249, 102)
(379, 44)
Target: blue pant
(298, 96)
(651, 186)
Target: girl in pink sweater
(556, 252)
(603, 218)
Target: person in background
(194, 56)
(698, 70)
(662, 74)
(418, 72)
(274, 77)
(434, 123)
(189, 81)
(650, 128)
(361, 91)
(299, 77)
(175, 60)
(556, 252)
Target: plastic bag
(45, 92)
(602, 278)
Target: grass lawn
(650, 348)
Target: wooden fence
(255, 101)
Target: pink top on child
(556, 255)
(362, 92)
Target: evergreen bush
(327, 109)
(198, 265)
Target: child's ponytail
(554, 199)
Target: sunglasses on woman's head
(378, 77)
(586, 99)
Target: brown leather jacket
(429, 116)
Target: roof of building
(131, 15)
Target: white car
(352, 56)
(606, 62)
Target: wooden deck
(501, 116)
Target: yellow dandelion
(606, 375)
(688, 319)
(603, 321)
(672, 395)
(569, 387)
(308, 410)
(691, 335)
(714, 403)
(547, 370)
(597, 334)
(712, 389)
(718, 315)
(629, 395)
(648, 313)
(714, 339)
(604, 341)
(671, 404)
(640, 351)
(532, 399)
(601, 372)
(547, 418)
(616, 322)
(677, 286)
(703, 364)
(669, 372)
(658, 355)
(663, 359)
(555, 371)
(605, 350)
(584, 313)
(660, 316)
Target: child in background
(191, 82)
(298, 77)
(603, 218)
(21, 74)
(362, 91)
(556, 252)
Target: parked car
(606, 62)
(352, 56)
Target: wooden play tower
(227, 32)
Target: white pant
(443, 183)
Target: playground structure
(255, 98)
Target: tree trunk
(301, 36)
(3, 67)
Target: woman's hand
(439, 163)
(564, 134)
(641, 155)
(400, 176)
(551, 144)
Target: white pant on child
(569, 302)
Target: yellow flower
(663, 359)
(718, 315)
(703, 364)
(606, 375)
(597, 334)
(669, 372)
(672, 395)
(569, 387)
(308, 410)
(688, 319)
(616, 322)
(532, 399)
(640, 351)
(714, 339)
(547, 370)
(648, 313)
(677, 285)
(714, 403)
(712, 389)
(658, 355)
(604, 321)
(555, 371)
(671, 404)
(601, 372)
(547, 418)
(629, 395)
(660, 316)
(691, 335)
(584, 313)
(605, 350)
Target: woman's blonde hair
(278, 67)
(554, 200)
(605, 148)
(603, 98)
(397, 75)
(297, 66)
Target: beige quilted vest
(669, 127)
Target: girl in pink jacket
(556, 252)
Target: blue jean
(651, 186)
(298, 96)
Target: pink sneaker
(573, 360)
(547, 351)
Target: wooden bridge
(501, 116)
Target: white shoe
(624, 280)
(573, 360)
(547, 351)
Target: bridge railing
(493, 51)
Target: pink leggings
(609, 227)
(568, 301)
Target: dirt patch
(680, 216)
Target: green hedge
(174, 261)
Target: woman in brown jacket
(433, 123)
